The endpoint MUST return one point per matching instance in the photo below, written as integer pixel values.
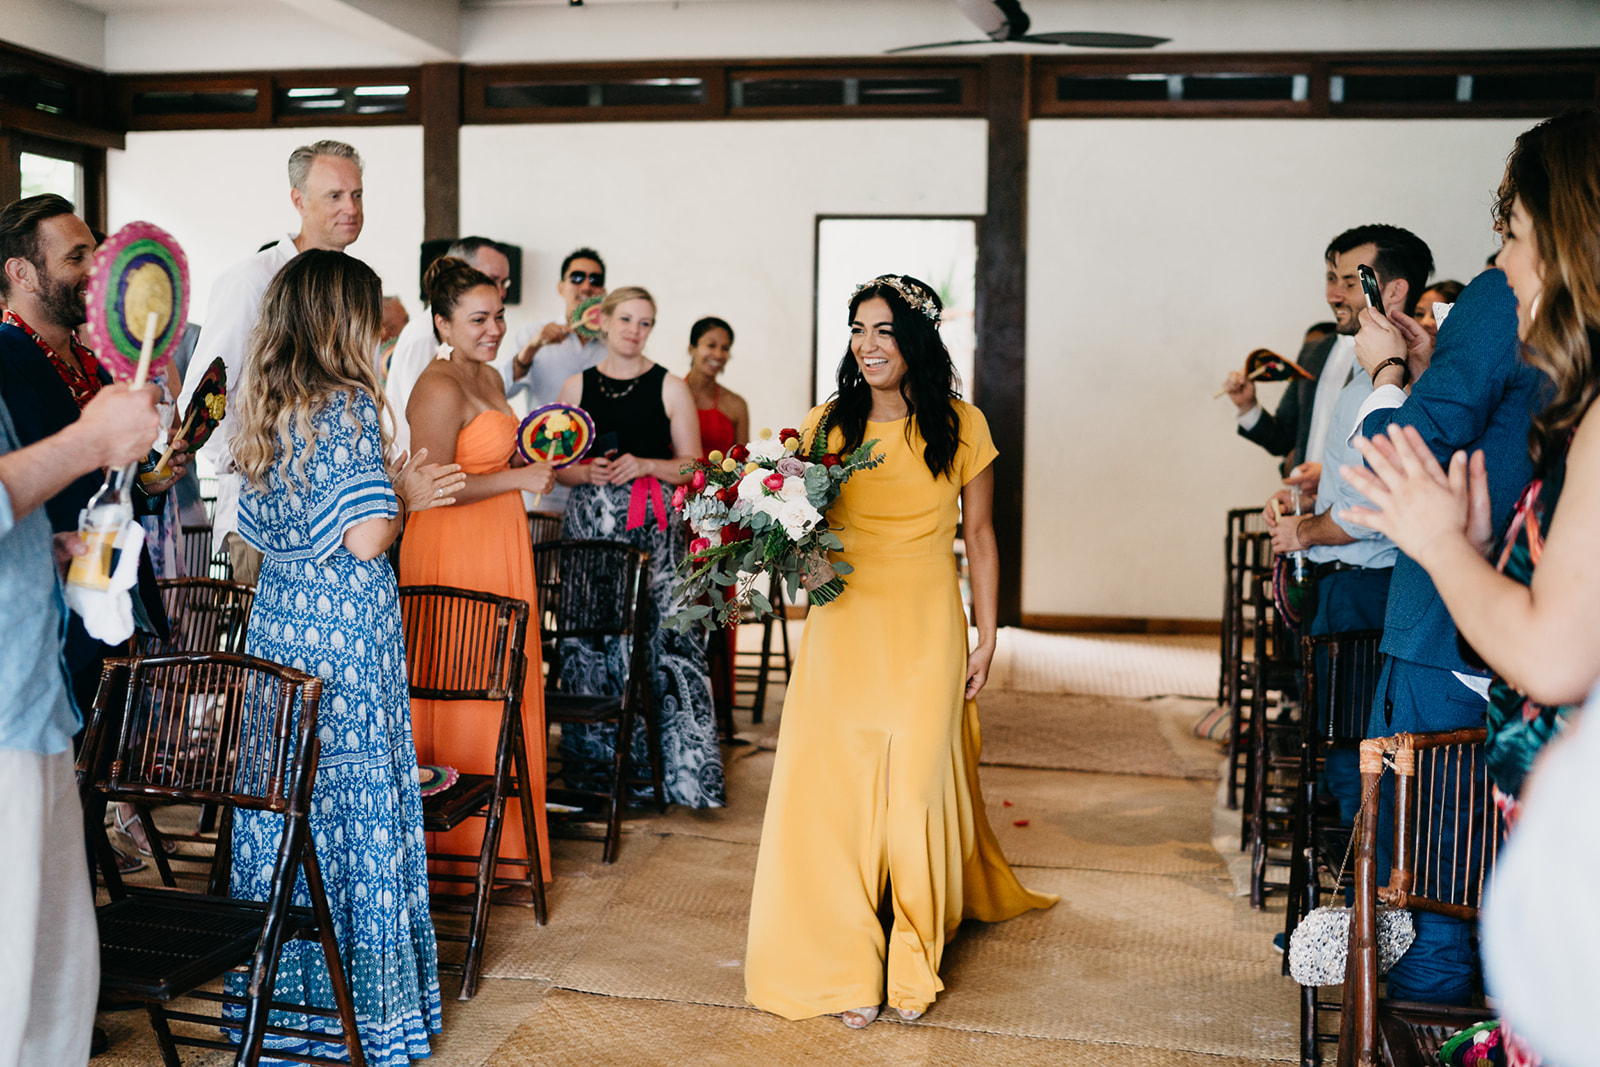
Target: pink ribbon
(646, 489)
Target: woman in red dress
(724, 422)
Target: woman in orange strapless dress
(724, 422)
(458, 412)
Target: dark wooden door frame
(999, 372)
(441, 151)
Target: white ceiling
(174, 35)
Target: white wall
(1160, 253)
(715, 218)
(224, 193)
(56, 27)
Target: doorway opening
(851, 249)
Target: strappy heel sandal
(859, 1018)
(908, 1015)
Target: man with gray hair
(325, 189)
(418, 346)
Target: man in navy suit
(1477, 394)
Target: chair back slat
(459, 642)
(1447, 826)
(200, 559)
(544, 526)
(203, 614)
(587, 589)
(210, 728)
(1341, 675)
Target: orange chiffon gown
(482, 546)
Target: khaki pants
(49, 945)
(246, 560)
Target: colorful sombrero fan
(557, 434)
(138, 300)
(585, 320)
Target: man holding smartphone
(1352, 564)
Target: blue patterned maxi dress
(321, 610)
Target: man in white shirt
(418, 345)
(325, 188)
(546, 356)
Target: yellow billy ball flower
(792, 444)
(715, 459)
(748, 467)
(729, 465)
(766, 432)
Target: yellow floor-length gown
(876, 778)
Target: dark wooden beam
(441, 151)
(999, 385)
(10, 172)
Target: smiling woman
(458, 414)
(876, 777)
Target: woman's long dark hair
(928, 387)
(1555, 170)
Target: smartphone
(1369, 286)
(605, 446)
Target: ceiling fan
(1004, 20)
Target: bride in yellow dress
(875, 788)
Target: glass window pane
(188, 102)
(47, 174)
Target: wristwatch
(1394, 361)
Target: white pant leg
(49, 945)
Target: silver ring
(439, 491)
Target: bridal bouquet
(761, 510)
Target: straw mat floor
(1150, 959)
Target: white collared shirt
(231, 315)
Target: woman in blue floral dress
(321, 505)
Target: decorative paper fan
(557, 434)
(1265, 365)
(586, 318)
(138, 270)
(435, 779)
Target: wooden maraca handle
(1250, 377)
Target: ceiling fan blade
(937, 44)
(1096, 40)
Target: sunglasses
(578, 277)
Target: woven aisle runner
(1107, 735)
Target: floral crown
(912, 294)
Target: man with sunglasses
(546, 356)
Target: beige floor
(1150, 958)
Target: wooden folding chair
(1340, 673)
(465, 645)
(593, 593)
(160, 944)
(1447, 832)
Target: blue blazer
(1477, 393)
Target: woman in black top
(648, 416)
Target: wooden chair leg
(482, 892)
(1258, 800)
(530, 829)
(758, 709)
(1310, 1047)
(330, 954)
(158, 1023)
(619, 785)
